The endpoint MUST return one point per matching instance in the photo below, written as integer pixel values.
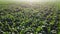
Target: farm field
(26, 18)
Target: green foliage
(29, 20)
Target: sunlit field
(29, 17)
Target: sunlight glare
(34, 0)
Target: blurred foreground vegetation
(26, 19)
